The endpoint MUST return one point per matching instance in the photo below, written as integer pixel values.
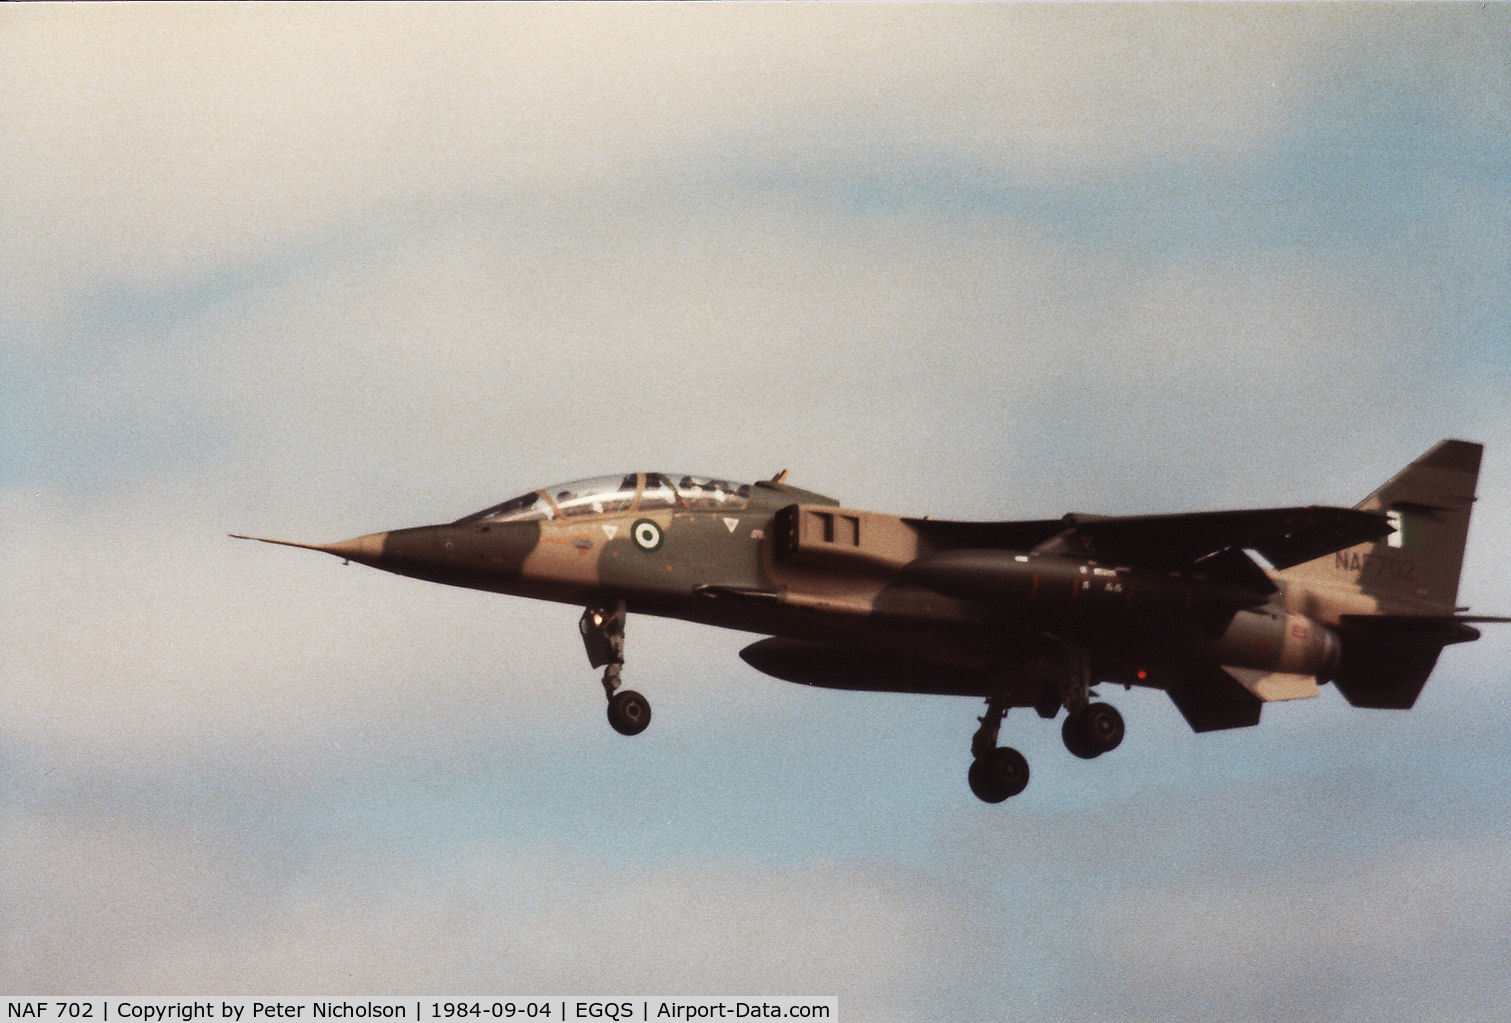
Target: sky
(317, 271)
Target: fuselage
(771, 559)
(1224, 611)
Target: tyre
(629, 712)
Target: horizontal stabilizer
(1443, 630)
(1387, 658)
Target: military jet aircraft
(1225, 611)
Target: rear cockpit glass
(604, 495)
(693, 493)
(658, 493)
(700, 493)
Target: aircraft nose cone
(367, 548)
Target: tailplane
(1386, 658)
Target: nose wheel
(602, 628)
(629, 712)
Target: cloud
(789, 196)
(124, 641)
(139, 906)
(1248, 897)
(322, 272)
(233, 133)
(1240, 887)
(1399, 934)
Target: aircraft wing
(1022, 535)
(1284, 536)
(1211, 699)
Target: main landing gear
(1090, 729)
(998, 773)
(1095, 729)
(602, 628)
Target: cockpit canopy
(637, 491)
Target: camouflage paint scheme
(1022, 614)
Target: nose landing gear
(602, 628)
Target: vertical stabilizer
(1393, 602)
(1415, 570)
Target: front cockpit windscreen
(604, 495)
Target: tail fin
(1415, 570)
(1399, 595)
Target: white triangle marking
(609, 529)
(730, 524)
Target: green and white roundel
(646, 534)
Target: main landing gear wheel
(997, 772)
(999, 775)
(629, 712)
(1095, 729)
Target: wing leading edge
(1284, 536)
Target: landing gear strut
(1090, 729)
(602, 628)
(997, 772)
(1060, 675)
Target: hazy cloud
(320, 271)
